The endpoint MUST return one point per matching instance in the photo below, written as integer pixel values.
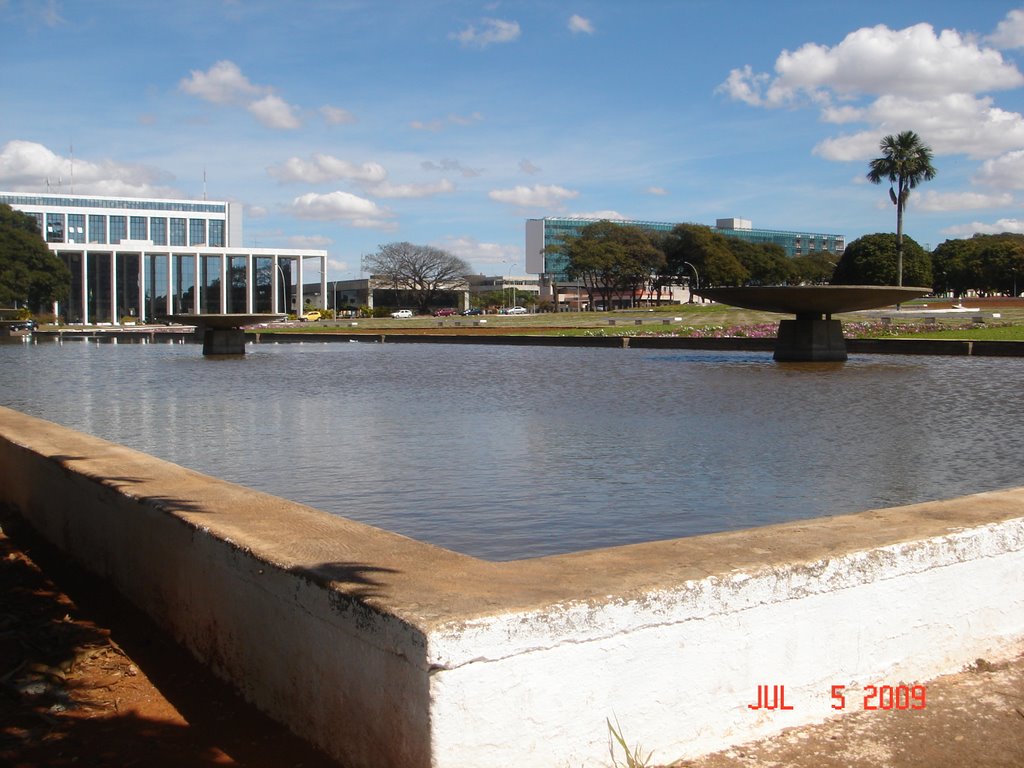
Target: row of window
(92, 228)
(85, 202)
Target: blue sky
(344, 125)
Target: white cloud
(657, 191)
(223, 83)
(447, 166)
(579, 24)
(958, 201)
(309, 241)
(538, 196)
(336, 266)
(1010, 32)
(388, 190)
(492, 31)
(438, 124)
(320, 168)
(25, 166)
(475, 252)
(273, 112)
(914, 62)
(343, 207)
(609, 215)
(1006, 172)
(978, 227)
(337, 115)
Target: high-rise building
(540, 233)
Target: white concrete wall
(389, 652)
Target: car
(516, 311)
(402, 313)
(23, 325)
(310, 317)
(472, 311)
(444, 312)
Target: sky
(347, 124)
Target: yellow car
(310, 317)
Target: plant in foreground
(634, 759)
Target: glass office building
(139, 259)
(541, 233)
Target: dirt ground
(87, 680)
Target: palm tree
(906, 162)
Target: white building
(143, 258)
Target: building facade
(139, 259)
(541, 233)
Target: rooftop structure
(145, 258)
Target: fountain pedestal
(813, 336)
(223, 334)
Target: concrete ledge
(390, 652)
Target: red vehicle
(444, 312)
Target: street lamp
(696, 279)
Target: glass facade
(98, 287)
(158, 231)
(118, 228)
(137, 228)
(209, 295)
(554, 231)
(197, 231)
(156, 285)
(236, 284)
(127, 266)
(97, 229)
(217, 233)
(263, 274)
(178, 232)
(76, 227)
(55, 227)
(184, 284)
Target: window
(97, 229)
(137, 228)
(55, 227)
(118, 228)
(217, 233)
(158, 231)
(178, 232)
(76, 227)
(197, 231)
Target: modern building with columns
(145, 259)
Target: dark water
(508, 452)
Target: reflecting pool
(508, 452)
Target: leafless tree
(422, 272)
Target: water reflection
(506, 452)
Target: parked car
(310, 317)
(472, 311)
(402, 313)
(444, 312)
(23, 325)
(516, 311)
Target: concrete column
(170, 284)
(142, 289)
(198, 270)
(250, 285)
(85, 287)
(223, 283)
(115, 319)
(300, 298)
(275, 285)
(323, 281)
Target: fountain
(813, 336)
(223, 334)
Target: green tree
(707, 251)
(766, 263)
(815, 268)
(906, 161)
(30, 273)
(423, 273)
(611, 259)
(872, 260)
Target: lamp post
(696, 279)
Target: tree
(611, 259)
(707, 251)
(871, 260)
(906, 161)
(422, 271)
(766, 263)
(30, 273)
